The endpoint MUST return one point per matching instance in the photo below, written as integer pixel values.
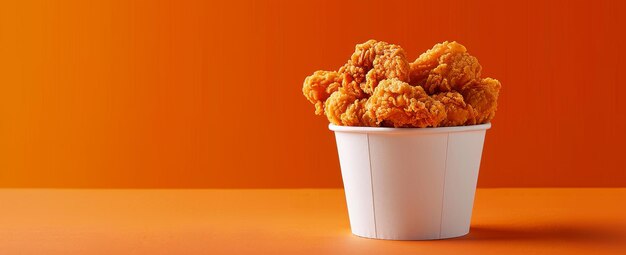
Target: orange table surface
(295, 221)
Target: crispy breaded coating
(379, 60)
(351, 72)
(398, 104)
(318, 87)
(357, 115)
(351, 78)
(483, 97)
(445, 67)
(337, 104)
(458, 113)
(378, 87)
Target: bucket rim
(389, 130)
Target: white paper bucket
(410, 183)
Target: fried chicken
(357, 115)
(398, 104)
(445, 67)
(458, 112)
(483, 97)
(351, 78)
(318, 87)
(374, 61)
(337, 104)
(372, 88)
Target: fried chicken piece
(398, 104)
(374, 61)
(351, 72)
(351, 78)
(445, 67)
(458, 113)
(337, 104)
(372, 88)
(319, 86)
(357, 115)
(483, 97)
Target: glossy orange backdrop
(208, 94)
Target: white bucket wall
(410, 184)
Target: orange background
(208, 94)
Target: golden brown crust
(318, 87)
(357, 115)
(351, 78)
(458, 113)
(337, 104)
(399, 104)
(445, 67)
(372, 88)
(483, 97)
(379, 60)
